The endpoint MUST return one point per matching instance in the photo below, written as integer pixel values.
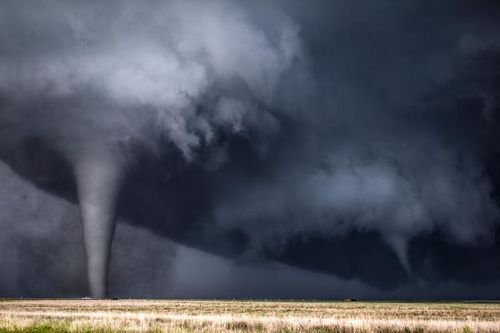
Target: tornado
(98, 177)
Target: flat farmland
(75, 315)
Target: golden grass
(245, 316)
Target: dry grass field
(181, 316)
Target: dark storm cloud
(347, 137)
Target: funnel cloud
(344, 142)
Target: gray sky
(346, 145)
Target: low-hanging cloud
(162, 64)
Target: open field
(245, 316)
